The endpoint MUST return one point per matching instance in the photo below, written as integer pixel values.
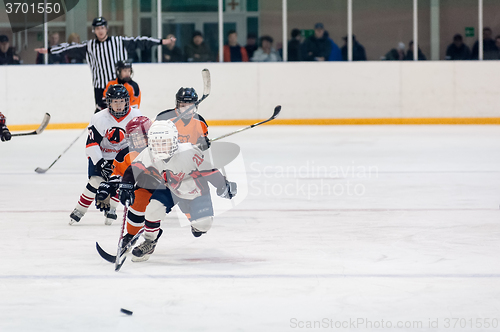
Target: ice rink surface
(341, 227)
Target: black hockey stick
(111, 258)
(277, 111)
(39, 130)
(207, 86)
(43, 170)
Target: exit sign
(469, 32)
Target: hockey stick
(119, 264)
(277, 111)
(43, 170)
(111, 258)
(207, 86)
(39, 130)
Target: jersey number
(197, 159)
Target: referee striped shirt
(103, 56)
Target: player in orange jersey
(192, 127)
(124, 74)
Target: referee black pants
(99, 100)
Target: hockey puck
(125, 311)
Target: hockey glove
(126, 193)
(229, 191)
(203, 143)
(104, 193)
(5, 133)
(103, 167)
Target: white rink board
(251, 90)
(418, 244)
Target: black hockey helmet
(99, 21)
(121, 64)
(186, 95)
(118, 91)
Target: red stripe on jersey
(92, 144)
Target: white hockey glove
(228, 191)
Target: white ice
(340, 224)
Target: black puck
(125, 311)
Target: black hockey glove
(126, 193)
(103, 196)
(203, 143)
(103, 167)
(228, 191)
(5, 133)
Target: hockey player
(137, 138)
(4, 131)
(184, 184)
(192, 127)
(106, 137)
(124, 73)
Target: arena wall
(310, 93)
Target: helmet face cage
(163, 139)
(137, 132)
(118, 114)
(137, 140)
(118, 92)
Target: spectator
(358, 51)
(54, 59)
(251, 45)
(74, 38)
(409, 54)
(8, 55)
(172, 53)
(233, 52)
(396, 53)
(197, 50)
(490, 50)
(458, 50)
(319, 46)
(266, 52)
(294, 46)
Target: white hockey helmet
(163, 139)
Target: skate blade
(136, 259)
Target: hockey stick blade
(40, 129)
(105, 255)
(43, 170)
(276, 112)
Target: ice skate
(142, 252)
(75, 216)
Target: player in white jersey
(185, 184)
(106, 137)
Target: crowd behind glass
(319, 46)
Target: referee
(102, 54)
